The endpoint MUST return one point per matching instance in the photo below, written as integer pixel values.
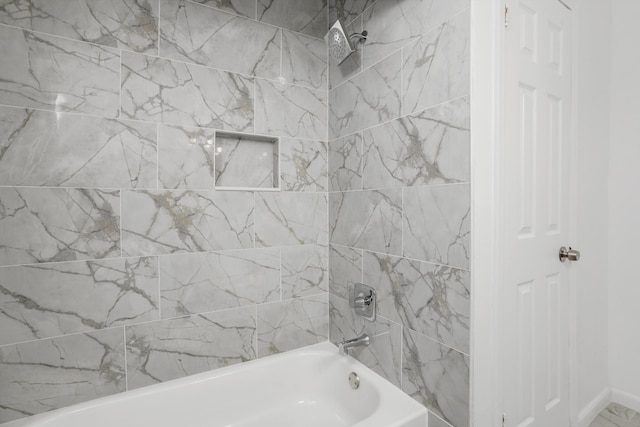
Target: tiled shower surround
(399, 209)
(120, 264)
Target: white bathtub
(303, 388)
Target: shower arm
(360, 36)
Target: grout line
(227, 252)
(401, 94)
(402, 116)
(158, 155)
(158, 269)
(155, 189)
(90, 331)
(398, 256)
(280, 76)
(120, 88)
(126, 370)
(402, 223)
(403, 187)
(281, 274)
(401, 373)
(158, 26)
(120, 222)
(255, 337)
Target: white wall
(624, 199)
(592, 107)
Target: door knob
(568, 254)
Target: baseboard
(629, 400)
(593, 408)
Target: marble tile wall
(399, 201)
(120, 264)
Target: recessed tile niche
(246, 161)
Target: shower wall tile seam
(437, 341)
(161, 319)
(161, 123)
(252, 19)
(78, 261)
(399, 256)
(402, 116)
(160, 56)
(126, 374)
(400, 187)
(43, 33)
(162, 256)
(224, 70)
(362, 13)
(109, 328)
(193, 189)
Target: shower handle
(568, 254)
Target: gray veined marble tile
(435, 421)
(345, 269)
(185, 157)
(51, 73)
(303, 165)
(173, 92)
(304, 60)
(46, 300)
(304, 16)
(293, 111)
(42, 375)
(124, 24)
(239, 7)
(436, 224)
(370, 98)
(290, 324)
(68, 150)
(291, 218)
(345, 163)
(199, 283)
(430, 299)
(368, 220)
(304, 270)
(194, 33)
(54, 224)
(352, 65)
(164, 222)
(394, 23)
(174, 348)
(383, 353)
(430, 147)
(436, 376)
(347, 10)
(436, 67)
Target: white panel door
(536, 224)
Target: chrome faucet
(345, 345)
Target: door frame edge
(487, 53)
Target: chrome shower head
(340, 45)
